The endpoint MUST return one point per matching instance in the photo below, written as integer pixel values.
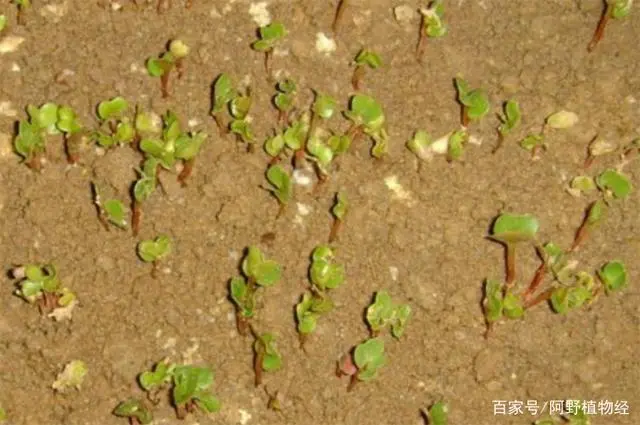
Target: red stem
(599, 33)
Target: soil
(429, 250)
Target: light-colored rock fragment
(399, 192)
(325, 44)
(54, 12)
(404, 14)
(10, 43)
(245, 416)
(259, 13)
(7, 109)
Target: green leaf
(208, 403)
(242, 128)
(367, 111)
(341, 206)
(281, 182)
(125, 132)
(420, 145)
(296, 133)
(401, 317)
(512, 228)
(380, 143)
(621, 9)
(112, 108)
(433, 25)
(156, 67)
(186, 379)
(324, 106)
(511, 118)
(3, 24)
(287, 86)
(562, 120)
(532, 141)
(493, 303)
(160, 375)
(271, 361)
(29, 140)
(284, 102)
(242, 297)
(273, 31)
(476, 101)
(455, 145)
(438, 414)
(267, 273)
(368, 58)
(134, 408)
(613, 275)
(262, 45)
(274, 145)
(45, 117)
(339, 144)
(596, 212)
(154, 250)
(67, 120)
(583, 184)
(240, 106)
(380, 313)
(187, 147)
(35, 273)
(513, 306)
(614, 182)
(369, 357)
(116, 212)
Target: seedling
(142, 190)
(112, 211)
(324, 107)
(293, 138)
(367, 116)
(421, 145)
(135, 410)
(257, 272)
(510, 230)
(121, 130)
(561, 120)
(438, 414)
(190, 387)
(72, 376)
(339, 211)
(365, 58)
(363, 365)
(281, 186)
(267, 358)
(175, 145)
(166, 62)
(456, 144)
(431, 26)
(154, 250)
(223, 94)
(535, 142)
(40, 284)
(598, 147)
(614, 9)
(342, 5)
(312, 305)
(23, 6)
(508, 122)
(475, 103)
(284, 99)
(383, 313)
(73, 132)
(240, 125)
(30, 142)
(270, 35)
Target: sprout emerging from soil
(239, 107)
(364, 362)
(135, 410)
(292, 139)
(190, 387)
(30, 142)
(383, 313)
(432, 26)
(270, 35)
(364, 59)
(475, 103)
(166, 62)
(508, 122)
(339, 211)
(119, 128)
(281, 186)
(73, 132)
(40, 284)
(142, 190)
(257, 272)
(23, 6)
(111, 211)
(284, 99)
(72, 376)
(154, 250)
(223, 94)
(614, 9)
(598, 147)
(438, 414)
(267, 358)
(316, 141)
(367, 116)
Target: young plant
(40, 284)
(166, 62)
(284, 99)
(431, 26)
(23, 6)
(365, 58)
(316, 141)
(438, 414)
(239, 107)
(508, 122)
(72, 376)
(115, 128)
(383, 313)
(339, 211)
(475, 103)
(270, 35)
(30, 142)
(267, 358)
(456, 144)
(337, 18)
(73, 132)
(598, 147)
(363, 363)
(281, 186)
(223, 94)
(292, 139)
(112, 211)
(367, 116)
(614, 9)
(135, 410)
(142, 190)
(257, 272)
(154, 250)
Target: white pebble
(7, 109)
(260, 14)
(325, 44)
(10, 43)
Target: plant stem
(136, 216)
(299, 159)
(599, 33)
(72, 147)
(267, 65)
(356, 79)
(582, 232)
(242, 324)
(257, 367)
(154, 270)
(186, 171)
(352, 383)
(335, 228)
(422, 39)
(544, 296)
(222, 129)
(511, 265)
(338, 16)
(164, 84)
(281, 210)
(500, 142)
(464, 118)
(589, 161)
(536, 281)
(181, 412)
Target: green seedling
(438, 414)
(30, 142)
(316, 140)
(73, 132)
(367, 116)
(72, 376)
(508, 122)
(175, 145)
(475, 103)
(614, 9)
(561, 120)
(431, 26)
(510, 230)
(582, 184)
(339, 211)
(223, 94)
(23, 6)
(613, 276)
(166, 62)
(534, 143)
(284, 99)
(155, 380)
(115, 128)
(257, 272)
(135, 410)
(269, 36)
(368, 357)
(312, 305)
(456, 144)
(154, 250)
(142, 190)
(267, 358)
(40, 284)
(281, 186)
(292, 138)
(421, 145)
(383, 313)
(364, 59)
(239, 107)
(111, 211)
(598, 147)
(337, 18)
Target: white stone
(259, 13)
(10, 43)
(325, 44)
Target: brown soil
(535, 51)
